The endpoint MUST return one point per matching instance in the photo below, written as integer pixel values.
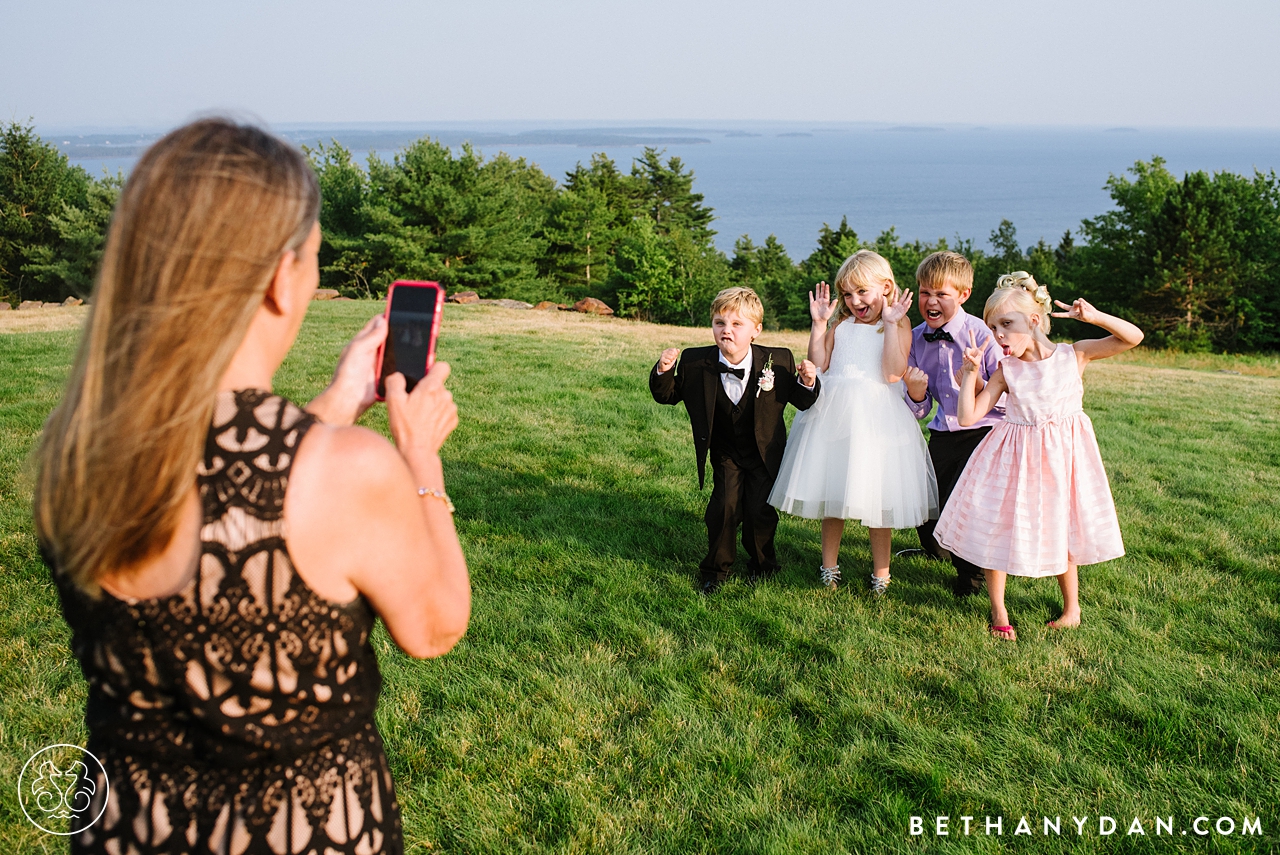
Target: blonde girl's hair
(1029, 296)
(866, 268)
(201, 226)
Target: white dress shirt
(733, 387)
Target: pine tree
(665, 195)
(37, 186)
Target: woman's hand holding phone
(353, 388)
(421, 421)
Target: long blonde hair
(867, 268)
(193, 244)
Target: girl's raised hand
(896, 311)
(822, 307)
(973, 354)
(1080, 310)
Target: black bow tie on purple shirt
(939, 334)
(736, 372)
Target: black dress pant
(739, 495)
(950, 451)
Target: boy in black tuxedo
(735, 394)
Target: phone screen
(410, 319)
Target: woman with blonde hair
(220, 553)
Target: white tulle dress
(857, 453)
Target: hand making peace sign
(973, 353)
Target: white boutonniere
(766, 377)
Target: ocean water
(924, 182)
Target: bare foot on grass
(1066, 620)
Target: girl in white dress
(857, 453)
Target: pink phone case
(435, 322)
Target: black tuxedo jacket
(694, 378)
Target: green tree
(457, 219)
(345, 221)
(68, 265)
(664, 194)
(834, 246)
(1195, 263)
(666, 278)
(603, 177)
(769, 271)
(37, 185)
(580, 235)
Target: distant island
(84, 146)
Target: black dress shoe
(917, 552)
(762, 576)
(710, 586)
(967, 586)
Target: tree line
(1194, 261)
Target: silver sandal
(830, 576)
(879, 585)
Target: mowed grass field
(599, 704)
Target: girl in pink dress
(1034, 499)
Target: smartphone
(413, 321)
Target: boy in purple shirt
(932, 373)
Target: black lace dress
(236, 716)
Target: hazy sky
(1097, 62)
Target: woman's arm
(1124, 335)
(357, 524)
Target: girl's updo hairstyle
(867, 268)
(1022, 288)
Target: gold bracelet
(437, 494)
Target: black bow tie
(939, 334)
(736, 372)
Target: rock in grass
(72, 301)
(507, 304)
(548, 305)
(4, 307)
(592, 306)
(324, 294)
(463, 297)
(30, 304)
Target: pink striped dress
(1035, 495)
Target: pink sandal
(1004, 633)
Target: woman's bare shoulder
(341, 503)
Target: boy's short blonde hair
(740, 300)
(939, 267)
(867, 268)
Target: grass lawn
(599, 704)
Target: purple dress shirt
(941, 361)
